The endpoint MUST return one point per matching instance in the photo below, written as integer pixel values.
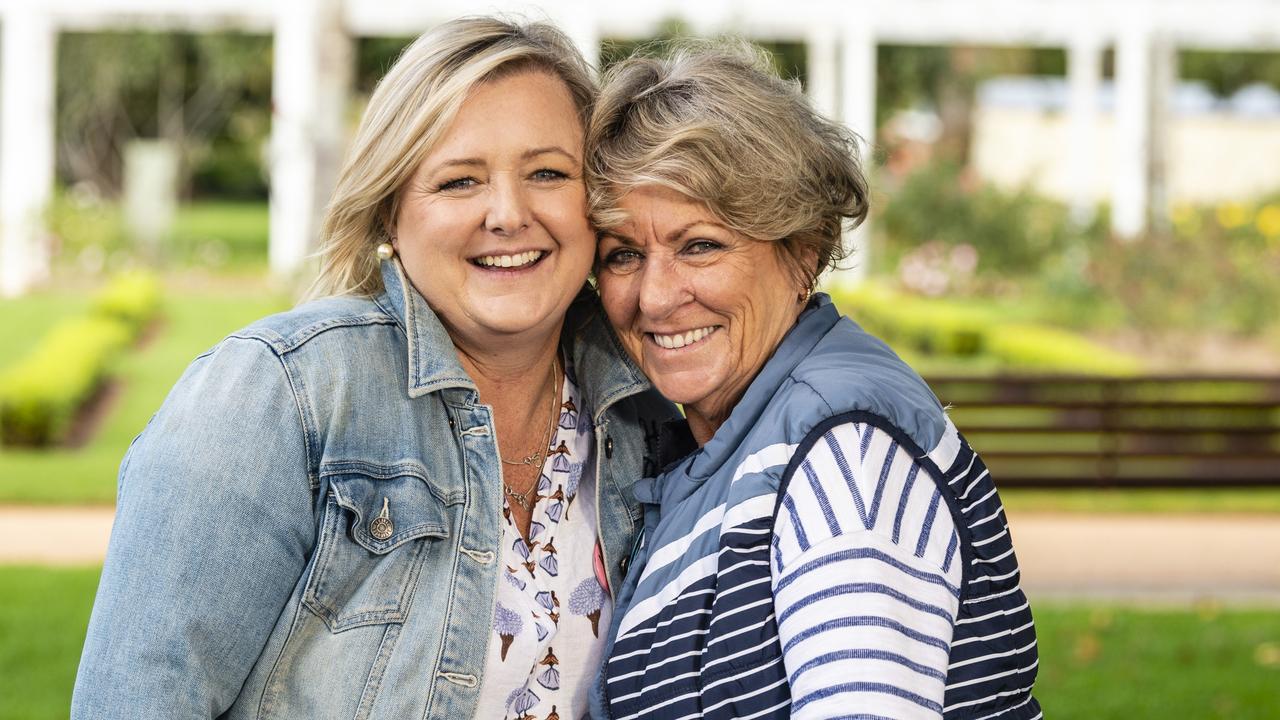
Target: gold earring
(385, 251)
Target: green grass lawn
(195, 316)
(1096, 662)
(221, 234)
(1109, 662)
(43, 616)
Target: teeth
(507, 261)
(679, 340)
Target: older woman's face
(699, 306)
(492, 227)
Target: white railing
(313, 40)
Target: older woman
(406, 501)
(828, 545)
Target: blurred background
(1075, 237)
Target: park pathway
(1148, 557)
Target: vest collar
(814, 323)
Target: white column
(1131, 192)
(823, 69)
(858, 110)
(310, 82)
(1164, 83)
(26, 145)
(1084, 79)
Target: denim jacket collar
(606, 373)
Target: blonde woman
(827, 544)
(408, 499)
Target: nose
(508, 211)
(663, 289)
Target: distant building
(1217, 148)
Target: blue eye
(549, 174)
(701, 247)
(461, 183)
(622, 260)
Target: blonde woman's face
(699, 306)
(492, 227)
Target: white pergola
(313, 66)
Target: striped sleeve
(866, 569)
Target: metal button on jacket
(381, 527)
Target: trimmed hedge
(132, 298)
(41, 393)
(937, 330)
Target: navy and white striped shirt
(815, 560)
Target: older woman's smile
(681, 340)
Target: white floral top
(552, 610)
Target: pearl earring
(385, 251)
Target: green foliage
(39, 396)
(41, 393)
(980, 339)
(199, 90)
(943, 232)
(132, 298)
(1227, 72)
(928, 327)
(1039, 348)
(1012, 232)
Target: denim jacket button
(624, 564)
(381, 527)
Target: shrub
(932, 328)
(39, 396)
(132, 298)
(1039, 348)
(947, 335)
(41, 393)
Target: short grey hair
(712, 120)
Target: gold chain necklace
(536, 459)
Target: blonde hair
(411, 109)
(713, 121)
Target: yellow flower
(1232, 215)
(1268, 221)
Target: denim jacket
(246, 576)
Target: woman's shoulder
(287, 331)
(851, 375)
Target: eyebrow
(526, 155)
(680, 231)
(670, 237)
(556, 149)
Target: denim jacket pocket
(377, 531)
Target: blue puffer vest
(701, 627)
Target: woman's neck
(512, 376)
